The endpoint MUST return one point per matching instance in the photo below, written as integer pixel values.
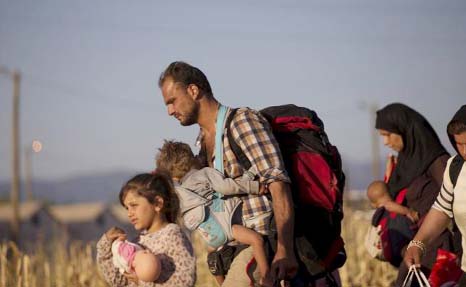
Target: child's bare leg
(251, 237)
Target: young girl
(152, 209)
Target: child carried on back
(210, 205)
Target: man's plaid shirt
(253, 134)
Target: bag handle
(421, 278)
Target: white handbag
(373, 243)
(414, 272)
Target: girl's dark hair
(151, 185)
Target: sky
(89, 70)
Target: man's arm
(284, 218)
(254, 136)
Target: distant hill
(106, 186)
(103, 187)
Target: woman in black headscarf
(451, 202)
(419, 167)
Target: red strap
(288, 124)
(400, 197)
(337, 245)
(251, 263)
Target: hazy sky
(90, 68)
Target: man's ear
(194, 92)
(158, 203)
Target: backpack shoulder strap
(237, 151)
(455, 168)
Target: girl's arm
(104, 261)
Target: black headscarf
(460, 116)
(421, 145)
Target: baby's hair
(376, 190)
(150, 185)
(176, 158)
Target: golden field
(75, 265)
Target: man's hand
(284, 266)
(115, 233)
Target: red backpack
(317, 182)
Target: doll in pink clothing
(129, 257)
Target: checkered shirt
(253, 134)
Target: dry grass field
(75, 265)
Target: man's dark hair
(186, 74)
(456, 128)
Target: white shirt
(452, 201)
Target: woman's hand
(413, 256)
(115, 233)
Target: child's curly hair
(176, 158)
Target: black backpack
(317, 182)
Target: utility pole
(15, 162)
(28, 173)
(375, 143)
(34, 148)
(374, 136)
(14, 195)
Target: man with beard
(188, 97)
